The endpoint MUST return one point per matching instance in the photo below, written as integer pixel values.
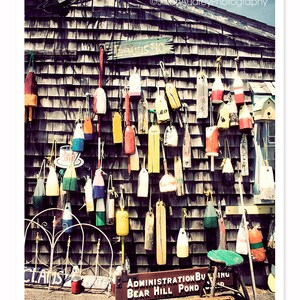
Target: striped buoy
(182, 244)
(30, 89)
(135, 84)
(70, 179)
(88, 192)
(67, 219)
(238, 87)
(135, 160)
(100, 101)
(256, 245)
(245, 119)
(217, 87)
(87, 123)
(212, 141)
(110, 202)
(78, 138)
(217, 91)
(129, 134)
(100, 212)
(98, 185)
(52, 184)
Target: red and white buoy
(238, 87)
(217, 87)
(245, 118)
(100, 101)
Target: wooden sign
(166, 284)
(139, 48)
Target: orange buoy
(256, 245)
(129, 134)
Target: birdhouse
(263, 99)
(264, 109)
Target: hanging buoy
(117, 122)
(178, 173)
(38, 197)
(170, 89)
(168, 182)
(212, 141)
(143, 181)
(52, 184)
(244, 155)
(233, 112)
(223, 116)
(186, 145)
(100, 101)
(67, 219)
(129, 135)
(135, 84)
(100, 212)
(78, 138)
(154, 146)
(134, 160)
(182, 245)
(98, 185)
(88, 192)
(257, 249)
(161, 233)
(143, 116)
(172, 96)
(30, 89)
(110, 202)
(122, 217)
(87, 124)
(202, 96)
(266, 182)
(245, 119)
(171, 136)
(149, 226)
(239, 96)
(70, 179)
(161, 108)
(217, 87)
(238, 87)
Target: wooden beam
(251, 210)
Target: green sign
(139, 48)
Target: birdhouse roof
(260, 103)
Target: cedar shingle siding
(66, 53)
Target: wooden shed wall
(66, 53)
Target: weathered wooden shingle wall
(66, 53)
